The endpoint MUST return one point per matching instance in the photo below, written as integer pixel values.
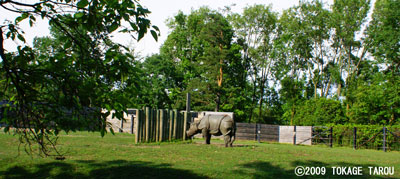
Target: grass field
(116, 156)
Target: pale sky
(161, 10)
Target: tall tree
(293, 50)
(64, 86)
(257, 28)
(348, 17)
(201, 44)
(383, 39)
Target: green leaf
(82, 4)
(21, 18)
(141, 35)
(134, 26)
(113, 27)
(21, 38)
(68, 44)
(156, 28)
(78, 15)
(154, 34)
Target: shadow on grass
(260, 169)
(93, 169)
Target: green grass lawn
(116, 156)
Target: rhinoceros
(214, 125)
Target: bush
(320, 111)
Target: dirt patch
(223, 145)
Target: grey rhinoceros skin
(214, 125)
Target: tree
(257, 28)
(160, 81)
(201, 44)
(293, 50)
(67, 79)
(383, 39)
(347, 20)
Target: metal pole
(132, 123)
(384, 139)
(330, 136)
(355, 138)
(188, 102)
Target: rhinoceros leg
(227, 139)
(227, 136)
(232, 139)
(206, 135)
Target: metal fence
(360, 137)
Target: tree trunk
(328, 87)
(253, 97)
(261, 94)
(218, 101)
(220, 77)
(338, 90)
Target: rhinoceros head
(193, 129)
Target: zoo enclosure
(167, 125)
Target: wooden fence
(260, 132)
(150, 125)
(160, 125)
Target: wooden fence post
(160, 137)
(143, 125)
(153, 125)
(181, 119)
(157, 125)
(171, 124)
(179, 123)
(294, 135)
(258, 130)
(132, 123)
(166, 125)
(384, 139)
(175, 123)
(147, 124)
(155, 130)
(185, 120)
(137, 127)
(355, 138)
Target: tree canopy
(66, 79)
